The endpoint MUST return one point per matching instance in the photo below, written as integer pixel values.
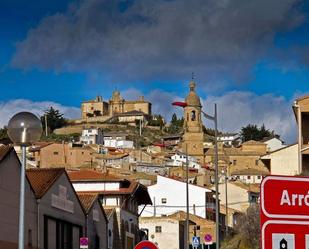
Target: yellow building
(193, 131)
(115, 105)
(246, 156)
(301, 111)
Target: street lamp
(214, 118)
(24, 128)
(183, 104)
(224, 172)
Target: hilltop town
(125, 168)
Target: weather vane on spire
(192, 75)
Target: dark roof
(41, 180)
(172, 136)
(4, 150)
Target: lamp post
(183, 104)
(215, 120)
(224, 172)
(24, 128)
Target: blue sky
(64, 52)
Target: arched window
(193, 116)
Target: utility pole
(187, 196)
(46, 129)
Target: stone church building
(193, 136)
(116, 105)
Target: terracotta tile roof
(87, 200)
(4, 150)
(251, 171)
(252, 142)
(42, 179)
(93, 175)
(109, 211)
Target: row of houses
(61, 207)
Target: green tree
(176, 124)
(253, 132)
(55, 119)
(156, 120)
(4, 133)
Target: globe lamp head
(24, 128)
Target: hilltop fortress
(115, 106)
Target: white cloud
(9, 108)
(237, 109)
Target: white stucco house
(92, 136)
(169, 196)
(117, 140)
(273, 144)
(283, 161)
(250, 175)
(166, 232)
(228, 138)
(180, 159)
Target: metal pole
(46, 131)
(22, 200)
(187, 196)
(216, 179)
(226, 206)
(300, 135)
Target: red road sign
(295, 233)
(285, 197)
(208, 238)
(145, 244)
(285, 212)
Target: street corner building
(55, 216)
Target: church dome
(193, 99)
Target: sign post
(83, 243)
(195, 242)
(284, 212)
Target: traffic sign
(145, 244)
(285, 197)
(208, 239)
(83, 242)
(284, 212)
(196, 241)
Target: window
(158, 229)
(29, 237)
(234, 162)
(163, 200)
(259, 177)
(248, 177)
(56, 152)
(193, 116)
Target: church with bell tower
(193, 137)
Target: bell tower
(193, 132)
